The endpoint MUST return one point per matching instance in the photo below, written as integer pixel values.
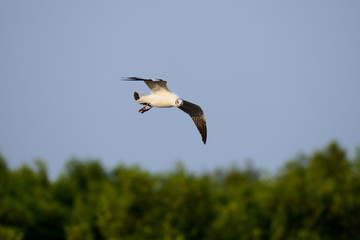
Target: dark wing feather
(155, 85)
(135, 79)
(197, 116)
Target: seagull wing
(155, 85)
(197, 116)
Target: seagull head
(179, 102)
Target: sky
(274, 79)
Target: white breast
(161, 100)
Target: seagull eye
(178, 101)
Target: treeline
(312, 197)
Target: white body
(161, 100)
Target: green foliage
(10, 233)
(311, 197)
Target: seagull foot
(144, 109)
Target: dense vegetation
(311, 197)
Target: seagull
(160, 96)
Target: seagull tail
(137, 97)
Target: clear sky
(274, 78)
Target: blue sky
(274, 79)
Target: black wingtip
(141, 79)
(204, 137)
(133, 79)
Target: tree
(314, 196)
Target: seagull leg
(143, 109)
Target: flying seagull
(160, 96)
